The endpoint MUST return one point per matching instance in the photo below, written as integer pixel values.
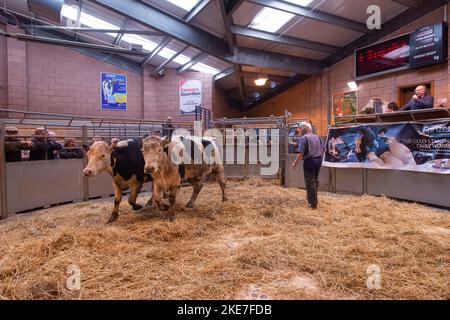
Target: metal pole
(3, 191)
(85, 179)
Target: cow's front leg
(157, 197)
(135, 189)
(172, 200)
(198, 185)
(220, 178)
(117, 200)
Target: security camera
(162, 73)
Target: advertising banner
(413, 146)
(113, 91)
(190, 96)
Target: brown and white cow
(125, 164)
(166, 178)
(157, 150)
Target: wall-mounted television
(424, 47)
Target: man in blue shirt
(419, 101)
(310, 150)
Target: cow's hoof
(136, 207)
(189, 205)
(112, 219)
(149, 204)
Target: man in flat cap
(13, 145)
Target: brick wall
(45, 78)
(312, 98)
(220, 105)
(3, 71)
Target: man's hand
(27, 143)
(294, 164)
(415, 97)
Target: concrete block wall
(46, 78)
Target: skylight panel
(205, 68)
(96, 23)
(272, 20)
(184, 4)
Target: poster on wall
(411, 146)
(113, 91)
(190, 96)
(345, 104)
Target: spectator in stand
(40, 146)
(13, 145)
(392, 107)
(168, 128)
(71, 149)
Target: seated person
(71, 150)
(40, 146)
(420, 100)
(13, 146)
(392, 107)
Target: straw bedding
(262, 244)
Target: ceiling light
(352, 85)
(261, 81)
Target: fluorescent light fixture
(352, 85)
(261, 81)
(272, 20)
(184, 4)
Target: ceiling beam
(314, 14)
(155, 18)
(80, 7)
(192, 62)
(165, 63)
(411, 3)
(188, 17)
(231, 6)
(81, 29)
(119, 35)
(196, 10)
(281, 39)
(207, 42)
(155, 51)
(273, 60)
(231, 39)
(224, 73)
(68, 43)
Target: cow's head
(99, 158)
(154, 153)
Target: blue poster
(114, 91)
